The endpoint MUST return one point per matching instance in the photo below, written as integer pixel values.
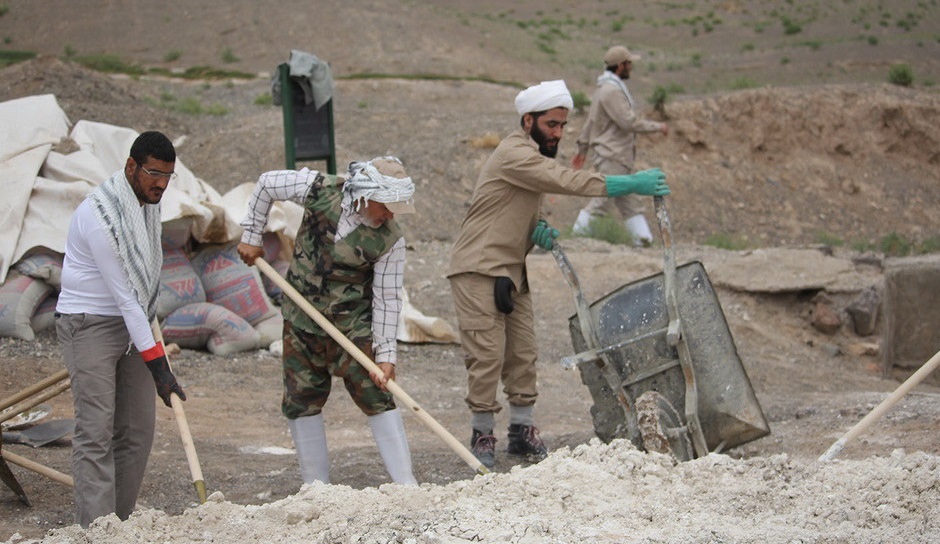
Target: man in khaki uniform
(487, 270)
(610, 132)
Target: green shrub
(264, 99)
(108, 63)
(725, 241)
(581, 100)
(894, 245)
(901, 74)
(660, 96)
(930, 245)
(862, 246)
(828, 239)
(12, 57)
(790, 26)
(228, 56)
(609, 230)
(743, 82)
(172, 56)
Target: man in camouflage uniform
(348, 263)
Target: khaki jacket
(612, 126)
(496, 233)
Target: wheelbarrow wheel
(661, 428)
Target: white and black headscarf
(365, 182)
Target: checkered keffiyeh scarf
(365, 182)
(134, 232)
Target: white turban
(543, 97)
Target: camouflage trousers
(310, 361)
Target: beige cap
(392, 168)
(617, 54)
(404, 206)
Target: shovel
(40, 434)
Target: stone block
(911, 306)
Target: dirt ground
(832, 168)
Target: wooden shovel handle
(187, 438)
(35, 388)
(60, 477)
(883, 407)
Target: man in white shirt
(348, 262)
(110, 279)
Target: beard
(547, 147)
(142, 196)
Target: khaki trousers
(115, 406)
(497, 346)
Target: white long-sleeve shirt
(388, 271)
(93, 280)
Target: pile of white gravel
(594, 493)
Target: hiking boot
(524, 440)
(483, 447)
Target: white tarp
(47, 170)
(47, 167)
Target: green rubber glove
(650, 182)
(543, 235)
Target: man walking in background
(610, 132)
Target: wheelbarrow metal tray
(728, 410)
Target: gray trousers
(115, 407)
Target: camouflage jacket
(335, 277)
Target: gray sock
(521, 415)
(483, 421)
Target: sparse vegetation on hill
(786, 130)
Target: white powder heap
(594, 493)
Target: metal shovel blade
(41, 434)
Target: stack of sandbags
(213, 300)
(29, 294)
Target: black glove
(502, 292)
(164, 379)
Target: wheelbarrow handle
(674, 335)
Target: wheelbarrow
(660, 362)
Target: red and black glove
(163, 378)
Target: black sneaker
(524, 440)
(483, 447)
